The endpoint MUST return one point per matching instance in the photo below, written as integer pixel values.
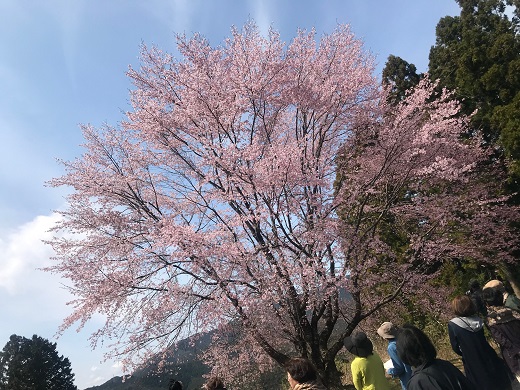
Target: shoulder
(512, 302)
(375, 358)
(315, 385)
(358, 362)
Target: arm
(453, 339)
(357, 375)
(398, 364)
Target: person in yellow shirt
(367, 368)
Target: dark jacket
(482, 365)
(504, 325)
(439, 375)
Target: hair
(301, 370)
(493, 296)
(215, 383)
(414, 347)
(175, 385)
(463, 306)
(474, 285)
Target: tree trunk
(332, 379)
(512, 277)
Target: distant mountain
(183, 364)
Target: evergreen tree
(477, 54)
(399, 76)
(34, 364)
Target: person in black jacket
(429, 373)
(482, 365)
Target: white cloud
(34, 301)
(23, 253)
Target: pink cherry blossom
(252, 190)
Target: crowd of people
(414, 357)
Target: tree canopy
(477, 54)
(216, 204)
(34, 364)
(400, 76)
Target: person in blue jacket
(388, 331)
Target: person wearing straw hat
(388, 331)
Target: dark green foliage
(399, 76)
(34, 364)
(477, 54)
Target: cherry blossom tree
(253, 190)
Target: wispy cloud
(261, 15)
(69, 18)
(178, 15)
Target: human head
(359, 344)
(474, 285)
(493, 296)
(414, 347)
(387, 330)
(463, 306)
(300, 370)
(175, 385)
(215, 383)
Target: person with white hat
(510, 300)
(388, 331)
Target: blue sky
(63, 63)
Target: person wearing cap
(368, 372)
(510, 300)
(388, 331)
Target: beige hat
(387, 330)
(495, 284)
